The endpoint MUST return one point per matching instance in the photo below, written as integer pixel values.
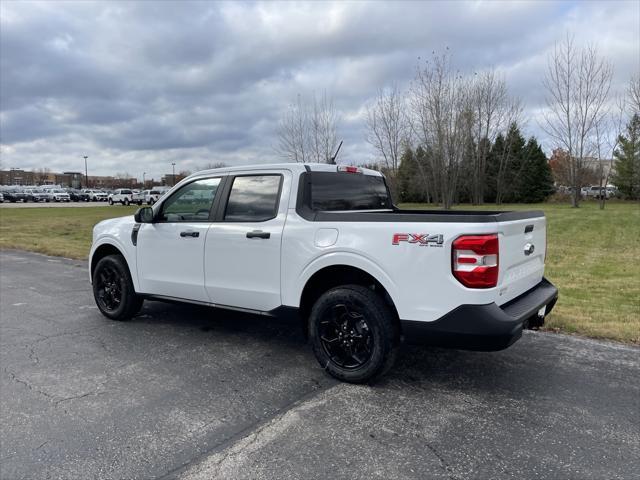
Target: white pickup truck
(326, 244)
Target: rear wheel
(354, 333)
(113, 289)
(125, 202)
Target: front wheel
(113, 289)
(354, 333)
(126, 202)
(110, 201)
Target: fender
(128, 252)
(350, 259)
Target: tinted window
(126, 192)
(191, 203)
(253, 198)
(348, 191)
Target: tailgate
(522, 251)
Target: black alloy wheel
(109, 287)
(346, 337)
(113, 289)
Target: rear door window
(253, 198)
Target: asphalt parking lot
(185, 392)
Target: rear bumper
(483, 327)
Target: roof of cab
(296, 167)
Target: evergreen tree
(413, 176)
(406, 172)
(511, 161)
(535, 183)
(627, 160)
(493, 167)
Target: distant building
(109, 182)
(70, 179)
(16, 176)
(170, 181)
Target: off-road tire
(382, 329)
(130, 303)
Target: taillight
(474, 260)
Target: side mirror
(144, 215)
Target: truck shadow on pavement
(416, 366)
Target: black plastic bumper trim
(482, 327)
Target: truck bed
(400, 215)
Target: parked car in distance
(138, 196)
(154, 195)
(95, 195)
(14, 195)
(77, 195)
(35, 195)
(1, 197)
(58, 195)
(123, 196)
(596, 191)
(326, 245)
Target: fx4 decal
(422, 239)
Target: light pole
(173, 176)
(86, 176)
(144, 184)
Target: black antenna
(333, 159)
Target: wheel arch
(332, 276)
(108, 248)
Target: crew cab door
(170, 251)
(242, 251)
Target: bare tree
(634, 94)
(42, 175)
(493, 111)
(442, 121)
(211, 166)
(293, 133)
(309, 134)
(387, 127)
(607, 133)
(324, 136)
(577, 83)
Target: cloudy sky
(139, 85)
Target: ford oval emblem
(529, 249)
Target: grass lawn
(592, 257)
(54, 231)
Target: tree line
(457, 137)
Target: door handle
(258, 234)
(190, 234)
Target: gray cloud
(138, 85)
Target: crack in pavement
(234, 445)
(53, 398)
